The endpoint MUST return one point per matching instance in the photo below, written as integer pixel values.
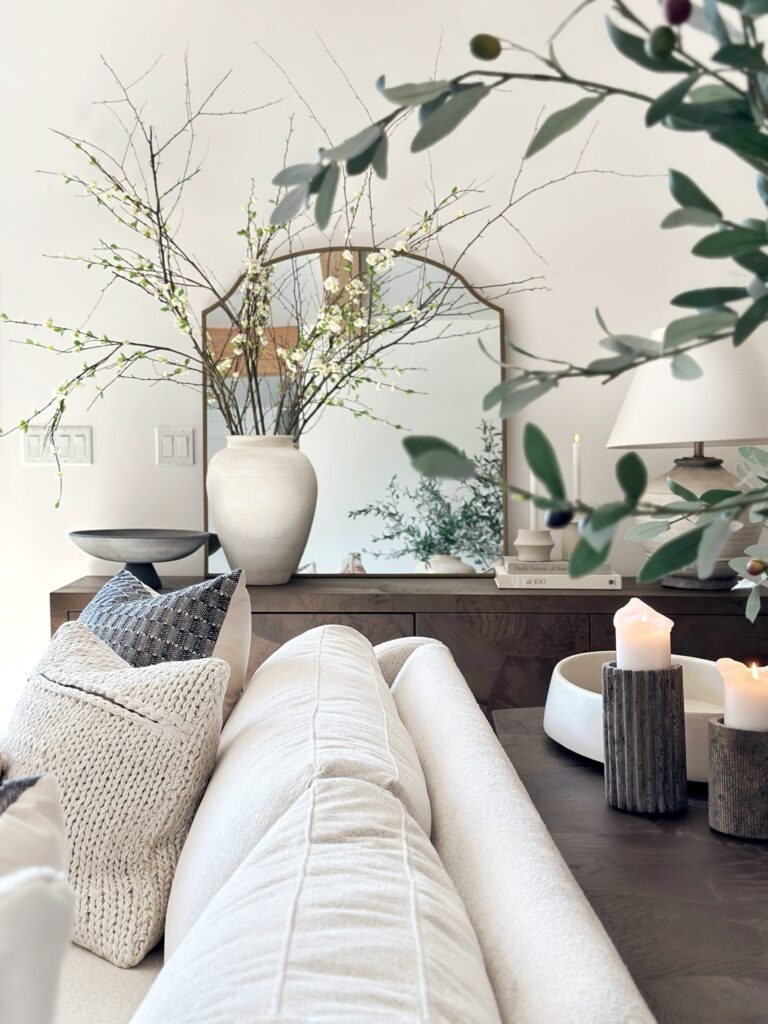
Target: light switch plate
(175, 446)
(74, 445)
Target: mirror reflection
(431, 349)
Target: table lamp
(726, 406)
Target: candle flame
(576, 439)
(755, 674)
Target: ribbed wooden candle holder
(738, 781)
(644, 740)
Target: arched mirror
(427, 346)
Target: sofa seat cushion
(343, 912)
(94, 991)
(318, 708)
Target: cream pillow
(36, 910)
(210, 619)
(342, 913)
(131, 749)
(32, 831)
(319, 707)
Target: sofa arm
(393, 654)
(548, 956)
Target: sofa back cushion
(131, 750)
(343, 912)
(317, 708)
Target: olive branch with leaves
(724, 98)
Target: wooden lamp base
(644, 740)
(738, 781)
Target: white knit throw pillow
(131, 750)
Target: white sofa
(538, 942)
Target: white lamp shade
(728, 405)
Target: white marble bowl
(573, 715)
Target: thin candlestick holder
(644, 740)
(738, 781)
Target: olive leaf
(447, 116)
(412, 94)
(685, 367)
(731, 242)
(711, 544)
(648, 530)
(750, 320)
(742, 56)
(681, 491)
(753, 603)
(676, 554)
(380, 157)
(600, 527)
(431, 456)
(355, 144)
(632, 476)
(698, 325)
(562, 121)
(670, 99)
(706, 298)
(296, 174)
(585, 559)
(716, 24)
(542, 461)
(326, 195)
(690, 216)
(522, 397)
(687, 193)
(293, 202)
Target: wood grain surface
(686, 907)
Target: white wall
(598, 233)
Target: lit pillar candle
(746, 695)
(643, 642)
(576, 457)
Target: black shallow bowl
(140, 548)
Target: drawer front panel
(507, 659)
(701, 636)
(272, 629)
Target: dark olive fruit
(755, 567)
(661, 42)
(485, 46)
(556, 518)
(677, 11)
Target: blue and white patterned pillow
(211, 619)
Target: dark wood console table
(687, 908)
(505, 642)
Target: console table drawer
(507, 659)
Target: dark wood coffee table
(687, 908)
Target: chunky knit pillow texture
(211, 619)
(131, 750)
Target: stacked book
(517, 574)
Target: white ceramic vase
(446, 565)
(262, 493)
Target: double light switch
(175, 446)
